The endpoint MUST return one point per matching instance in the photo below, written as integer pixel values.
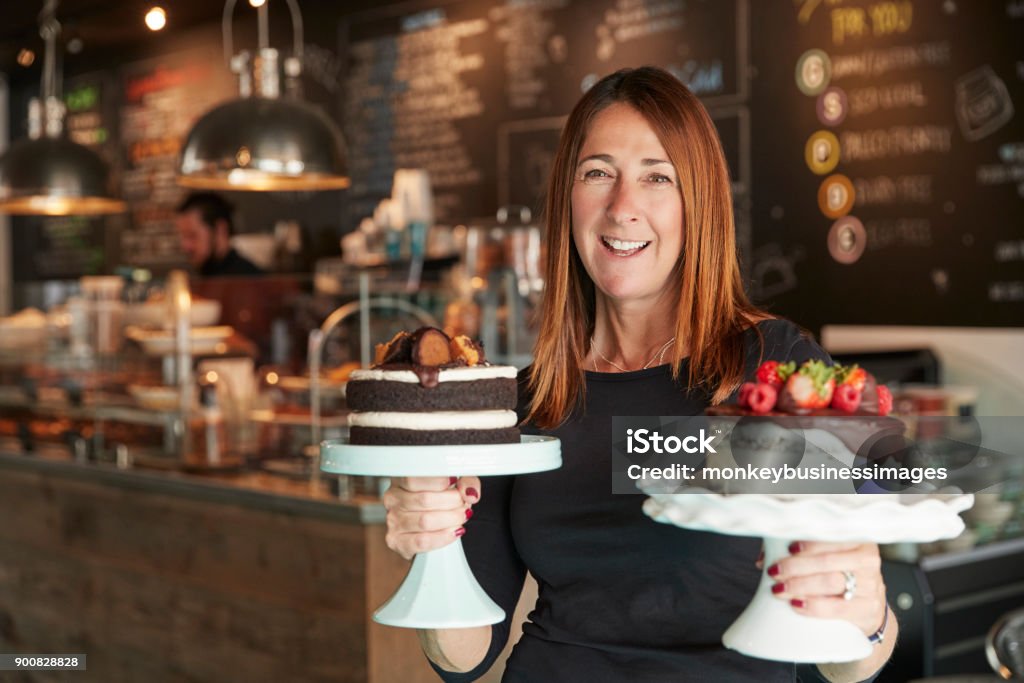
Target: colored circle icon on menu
(836, 195)
(813, 72)
(847, 240)
(822, 152)
(832, 106)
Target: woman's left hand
(834, 581)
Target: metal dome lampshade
(48, 174)
(262, 142)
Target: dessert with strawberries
(814, 388)
(844, 401)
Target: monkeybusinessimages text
(644, 441)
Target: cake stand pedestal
(440, 590)
(769, 628)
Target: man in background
(205, 228)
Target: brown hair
(712, 309)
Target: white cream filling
(470, 419)
(449, 375)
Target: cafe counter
(161, 576)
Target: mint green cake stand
(440, 591)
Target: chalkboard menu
(161, 99)
(889, 181)
(476, 91)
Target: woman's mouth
(623, 247)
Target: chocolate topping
(426, 352)
(428, 375)
(398, 350)
(430, 347)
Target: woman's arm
(429, 513)
(865, 669)
(456, 649)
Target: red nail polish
(452, 481)
(778, 588)
(469, 513)
(471, 492)
(461, 531)
(773, 570)
(797, 603)
(795, 547)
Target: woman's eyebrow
(608, 159)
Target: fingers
(828, 584)
(470, 488)
(813, 581)
(427, 513)
(820, 558)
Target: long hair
(712, 309)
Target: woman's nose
(622, 204)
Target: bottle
(209, 429)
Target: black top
(233, 263)
(621, 597)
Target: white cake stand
(440, 591)
(769, 628)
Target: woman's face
(627, 211)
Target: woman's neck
(631, 337)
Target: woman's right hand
(427, 513)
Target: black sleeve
(495, 562)
(779, 340)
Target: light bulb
(156, 18)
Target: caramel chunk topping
(465, 349)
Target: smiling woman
(643, 314)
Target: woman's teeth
(622, 247)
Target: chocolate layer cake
(427, 389)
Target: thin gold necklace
(659, 355)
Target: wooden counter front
(162, 577)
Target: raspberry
(744, 398)
(846, 398)
(884, 400)
(762, 398)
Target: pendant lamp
(261, 141)
(46, 173)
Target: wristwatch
(878, 636)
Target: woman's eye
(659, 178)
(595, 173)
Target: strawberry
(745, 389)
(775, 373)
(853, 375)
(809, 387)
(846, 398)
(884, 400)
(762, 398)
